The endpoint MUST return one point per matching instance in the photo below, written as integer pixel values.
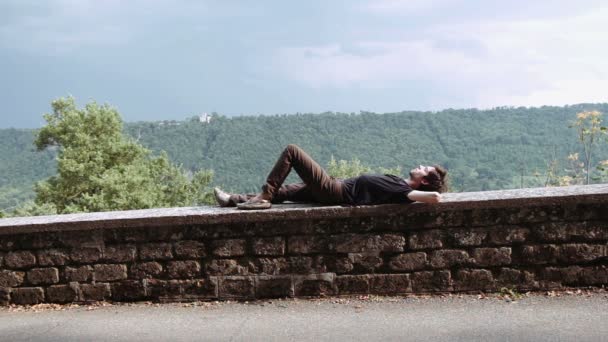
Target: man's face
(417, 173)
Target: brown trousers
(317, 185)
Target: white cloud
(61, 26)
(373, 63)
(516, 62)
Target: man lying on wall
(424, 184)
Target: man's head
(429, 178)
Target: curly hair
(437, 180)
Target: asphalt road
(537, 317)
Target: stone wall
(528, 239)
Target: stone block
(27, 295)
(289, 228)
(570, 231)
(226, 231)
(579, 252)
(570, 275)
(300, 265)
(469, 236)
(487, 216)
(165, 234)
(551, 231)
(446, 258)
(590, 231)
(52, 257)
(218, 267)
(200, 288)
(510, 277)
(164, 289)
(37, 276)
(390, 283)
(315, 285)
(86, 255)
(327, 227)
(269, 246)
(127, 290)
(241, 287)
(183, 269)
(190, 289)
(41, 241)
(120, 253)
(431, 281)
(353, 284)
(357, 243)
(271, 266)
(354, 263)
(20, 259)
(155, 251)
(273, 287)
(5, 296)
(434, 219)
(11, 278)
(190, 249)
(307, 244)
(492, 256)
(8, 243)
(508, 235)
(408, 262)
(110, 272)
(474, 280)
(79, 274)
(82, 239)
(365, 263)
(63, 293)
(197, 232)
(149, 269)
(530, 214)
(122, 235)
(427, 239)
(229, 247)
(96, 292)
(340, 264)
(538, 254)
(595, 275)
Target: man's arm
(424, 196)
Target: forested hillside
(20, 166)
(483, 149)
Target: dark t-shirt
(376, 189)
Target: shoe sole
(256, 206)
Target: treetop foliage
(100, 169)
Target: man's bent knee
(292, 147)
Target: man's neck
(410, 183)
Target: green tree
(589, 127)
(346, 169)
(100, 169)
(354, 168)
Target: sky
(173, 59)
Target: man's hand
(425, 196)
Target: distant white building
(206, 118)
